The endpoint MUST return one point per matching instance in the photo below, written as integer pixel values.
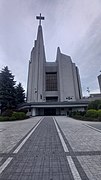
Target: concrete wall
(79, 83)
(36, 70)
(99, 80)
(67, 83)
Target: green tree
(95, 105)
(20, 95)
(7, 89)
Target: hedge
(18, 115)
(15, 116)
(91, 113)
(99, 114)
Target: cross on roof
(40, 18)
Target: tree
(95, 105)
(20, 95)
(7, 89)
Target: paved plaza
(50, 148)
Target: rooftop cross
(40, 18)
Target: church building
(52, 87)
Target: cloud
(88, 55)
(72, 25)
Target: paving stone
(12, 132)
(41, 157)
(85, 144)
(80, 137)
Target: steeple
(40, 33)
(58, 54)
(58, 50)
(36, 67)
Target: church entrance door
(49, 111)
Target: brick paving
(42, 155)
(85, 142)
(41, 158)
(12, 132)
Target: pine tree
(20, 95)
(7, 89)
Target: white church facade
(52, 87)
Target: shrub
(82, 113)
(88, 119)
(78, 117)
(18, 115)
(73, 113)
(99, 114)
(92, 113)
(12, 118)
(15, 116)
(77, 114)
(7, 112)
(4, 118)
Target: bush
(7, 112)
(92, 113)
(23, 110)
(18, 115)
(77, 114)
(99, 114)
(89, 119)
(79, 117)
(15, 116)
(4, 118)
(89, 115)
(82, 113)
(12, 118)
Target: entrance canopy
(54, 108)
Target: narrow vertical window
(51, 81)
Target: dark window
(51, 99)
(51, 81)
(62, 109)
(50, 111)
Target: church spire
(40, 33)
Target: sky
(73, 25)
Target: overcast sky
(73, 25)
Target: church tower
(36, 68)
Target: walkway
(50, 148)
